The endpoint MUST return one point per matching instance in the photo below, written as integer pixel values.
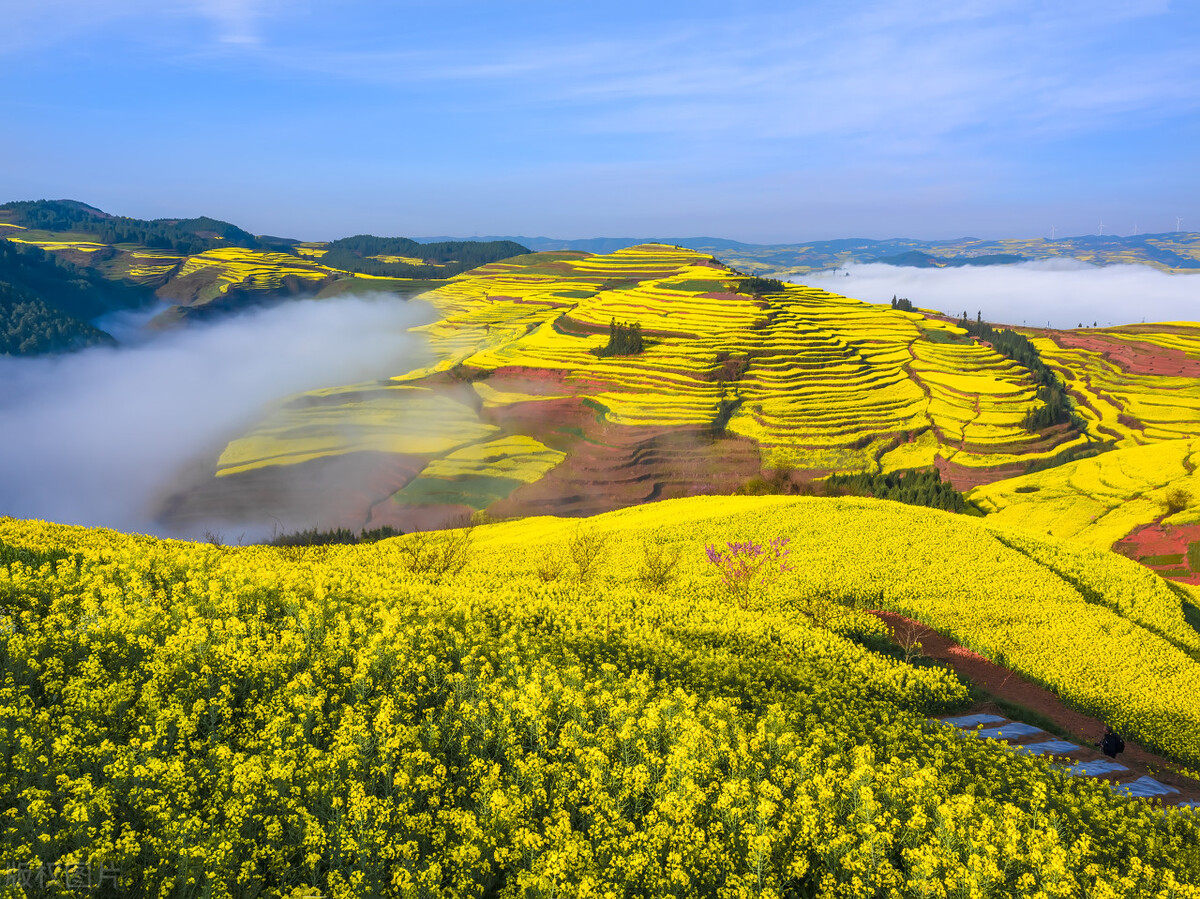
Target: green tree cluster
(624, 339)
(903, 304)
(759, 286)
(334, 537)
(76, 291)
(29, 327)
(1057, 407)
(916, 488)
(441, 260)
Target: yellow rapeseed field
(578, 710)
(1102, 499)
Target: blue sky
(765, 122)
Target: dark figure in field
(1112, 743)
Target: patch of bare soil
(1008, 686)
(964, 477)
(1135, 358)
(1163, 549)
(612, 466)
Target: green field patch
(1157, 561)
(940, 336)
(696, 285)
(476, 491)
(599, 408)
(1174, 572)
(1193, 555)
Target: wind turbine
(1052, 232)
(1178, 223)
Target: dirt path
(1008, 686)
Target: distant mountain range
(1173, 251)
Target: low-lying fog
(1062, 292)
(95, 437)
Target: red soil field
(1135, 358)
(1150, 543)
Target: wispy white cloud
(31, 27)
(1003, 101)
(237, 21)
(915, 73)
(887, 79)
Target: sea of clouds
(1061, 293)
(96, 437)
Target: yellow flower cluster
(256, 721)
(250, 269)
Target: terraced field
(1138, 389)
(729, 383)
(1135, 384)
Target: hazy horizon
(1059, 293)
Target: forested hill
(64, 263)
(406, 258)
(29, 327)
(182, 235)
(46, 304)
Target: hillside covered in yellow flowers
(522, 414)
(555, 707)
(735, 380)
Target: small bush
(436, 555)
(586, 549)
(908, 637)
(660, 564)
(745, 568)
(1176, 501)
(551, 566)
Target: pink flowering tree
(748, 567)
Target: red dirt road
(1009, 686)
